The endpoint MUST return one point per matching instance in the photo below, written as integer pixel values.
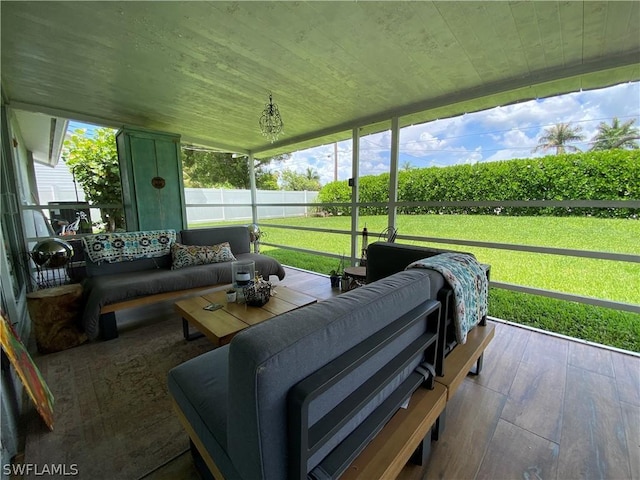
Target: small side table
(54, 313)
(357, 274)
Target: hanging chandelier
(270, 121)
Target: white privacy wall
(235, 204)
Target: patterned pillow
(127, 246)
(190, 255)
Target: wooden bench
(460, 361)
(407, 436)
(108, 325)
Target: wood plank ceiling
(205, 69)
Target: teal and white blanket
(470, 286)
(127, 246)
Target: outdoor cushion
(200, 388)
(191, 255)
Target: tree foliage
(207, 169)
(616, 135)
(310, 180)
(94, 163)
(559, 136)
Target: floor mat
(112, 413)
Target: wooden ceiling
(205, 69)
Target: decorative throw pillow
(190, 255)
(117, 247)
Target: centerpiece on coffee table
(257, 293)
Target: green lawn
(611, 280)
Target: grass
(611, 280)
(605, 279)
(601, 325)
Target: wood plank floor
(543, 408)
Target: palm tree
(616, 135)
(311, 174)
(558, 136)
(406, 165)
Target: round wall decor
(158, 182)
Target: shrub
(600, 175)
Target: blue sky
(500, 133)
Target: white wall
(230, 198)
(56, 184)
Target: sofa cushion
(191, 255)
(200, 388)
(385, 258)
(102, 290)
(236, 235)
(105, 269)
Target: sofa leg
(108, 327)
(185, 332)
(478, 366)
(199, 463)
(438, 427)
(422, 453)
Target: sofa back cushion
(266, 360)
(94, 270)
(385, 258)
(236, 235)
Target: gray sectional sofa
(300, 395)
(110, 284)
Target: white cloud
(423, 144)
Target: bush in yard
(594, 175)
(335, 192)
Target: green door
(154, 182)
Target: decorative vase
(243, 273)
(345, 284)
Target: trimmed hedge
(599, 175)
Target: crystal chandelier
(270, 121)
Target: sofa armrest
(391, 381)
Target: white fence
(234, 204)
(56, 185)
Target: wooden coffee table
(220, 326)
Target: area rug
(112, 413)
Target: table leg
(185, 332)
